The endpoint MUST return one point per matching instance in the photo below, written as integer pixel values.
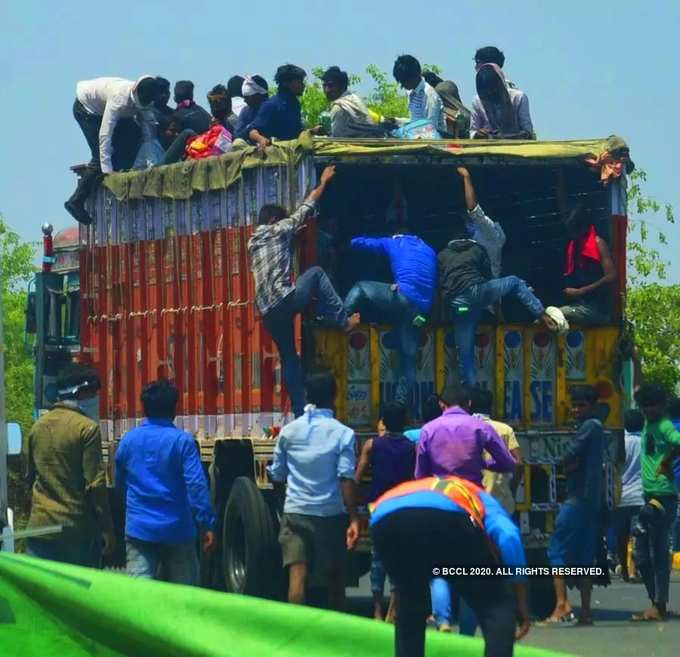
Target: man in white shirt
(423, 101)
(114, 114)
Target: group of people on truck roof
(129, 125)
(467, 273)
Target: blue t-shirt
(243, 124)
(413, 263)
(279, 117)
(159, 469)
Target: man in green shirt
(64, 455)
(659, 439)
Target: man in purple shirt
(454, 443)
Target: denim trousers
(440, 592)
(381, 302)
(467, 309)
(313, 284)
(177, 563)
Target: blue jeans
(467, 309)
(651, 551)
(380, 302)
(177, 563)
(76, 551)
(440, 592)
(313, 284)
(378, 574)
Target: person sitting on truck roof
(423, 101)
(280, 117)
(589, 273)
(160, 475)
(456, 115)
(348, 112)
(278, 299)
(492, 55)
(315, 458)
(190, 115)
(255, 92)
(219, 101)
(403, 303)
(112, 113)
(238, 101)
(573, 543)
(65, 468)
(468, 286)
(424, 526)
(160, 105)
(499, 112)
(392, 460)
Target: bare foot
(352, 321)
(651, 614)
(560, 611)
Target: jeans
(177, 563)
(651, 551)
(76, 551)
(440, 593)
(313, 284)
(176, 149)
(377, 574)
(467, 309)
(380, 302)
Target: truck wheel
(248, 541)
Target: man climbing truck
(166, 291)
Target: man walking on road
(315, 456)
(277, 297)
(159, 470)
(69, 483)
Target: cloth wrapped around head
(254, 85)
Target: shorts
(318, 541)
(573, 541)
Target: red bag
(215, 141)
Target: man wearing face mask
(64, 457)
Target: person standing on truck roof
(392, 461)
(423, 101)
(626, 515)
(159, 471)
(255, 92)
(468, 286)
(280, 117)
(660, 443)
(499, 112)
(64, 459)
(190, 115)
(315, 457)
(573, 543)
(403, 303)
(589, 274)
(426, 526)
(113, 113)
(278, 299)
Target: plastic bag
(216, 141)
(420, 129)
(149, 155)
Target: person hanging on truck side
(113, 114)
(160, 475)
(589, 273)
(425, 526)
(315, 459)
(468, 286)
(573, 543)
(277, 297)
(403, 303)
(65, 468)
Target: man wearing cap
(280, 117)
(255, 92)
(64, 459)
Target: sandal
(645, 618)
(561, 621)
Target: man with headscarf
(112, 113)
(349, 115)
(492, 55)
(280, 117)
(255, 91)
(190, 115)
(456, 115)
(497, 111)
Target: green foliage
(655, 312)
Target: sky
(590, 69)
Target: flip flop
(565, 620)
(641, 618)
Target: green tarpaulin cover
(54, 610)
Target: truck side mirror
(13, 439)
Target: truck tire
(248, 542)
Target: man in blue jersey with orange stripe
(420, 528)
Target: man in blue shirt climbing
(159, 470)
(403, 303)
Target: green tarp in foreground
(49, 609)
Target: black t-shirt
(462, 263)
(193, 117)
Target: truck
(163, 289)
